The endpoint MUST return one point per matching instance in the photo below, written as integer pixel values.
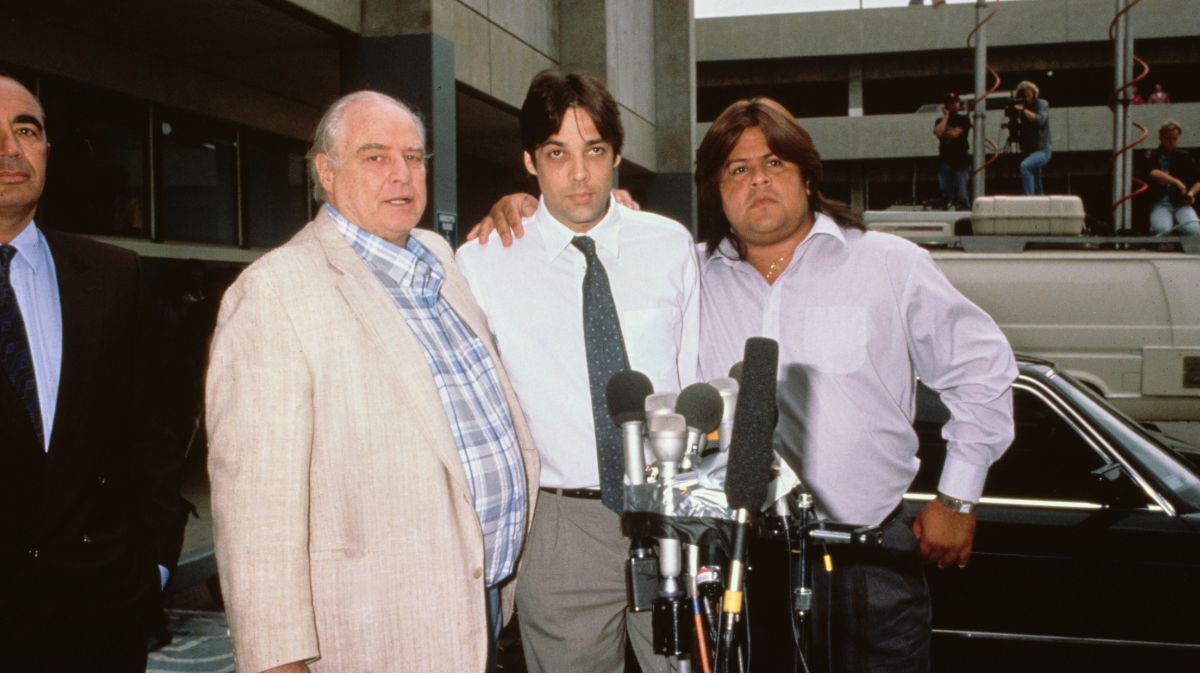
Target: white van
(1122, 315)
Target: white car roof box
(1049, 215)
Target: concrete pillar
(858, 195)
(854, 101)
(400, 54)
(583, 37)
(673, 190)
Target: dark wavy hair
(786, 138)
(549, 97)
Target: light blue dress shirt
(35, 282)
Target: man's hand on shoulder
(945, 537)
(505, 218)
(625, 199)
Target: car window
(1048, 461)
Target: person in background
(1174, 182)
(954, 152)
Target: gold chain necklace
(775, 267)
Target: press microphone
(727, 387)
(668, 440)
(701, 406)
(626, 395)
(660, 404)
(750, 452)
(735, 371)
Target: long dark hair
(786, 138)
(549, 98)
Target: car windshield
(1150, 456)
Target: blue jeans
(1167, 219)
(1031, 171)
(953, 184)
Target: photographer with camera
(951, 131)
(1029, 120)
(1174, 183)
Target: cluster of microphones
(692, 482)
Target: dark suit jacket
(82, 526)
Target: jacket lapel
(396, 345)
(83, 318)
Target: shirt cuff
(962, 480)
(164, 575)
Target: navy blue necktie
(605, 357)
(15, 358)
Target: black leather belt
(574, 493)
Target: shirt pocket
(651, 337)
(835, 338)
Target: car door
(1075, 560)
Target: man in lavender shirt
(857, 315)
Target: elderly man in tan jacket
(371, 470)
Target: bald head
(23, 153)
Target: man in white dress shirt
(857, 314)
(571, 591)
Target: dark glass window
(197, 179)
(1048, 460)
(277, 193)
(97, 178)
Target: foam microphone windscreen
(626, 395)
(735, 371)
(701, 405)
(750, 446)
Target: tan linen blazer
(345, 532)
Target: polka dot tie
(605, 357)
(15, 358)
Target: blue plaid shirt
(469, 387)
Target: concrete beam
(1086, 129)
(908, 29)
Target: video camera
(1014, 118)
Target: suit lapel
(397, 347)
(79, 292)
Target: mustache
(9, 163)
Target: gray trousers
(873, 610)
(571, 592)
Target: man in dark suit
(91, 489)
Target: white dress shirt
(532, 296)
(35, 281)
(857, 315)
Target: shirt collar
(411, 265)
(822, 226)
(30, 245)
(557, 237)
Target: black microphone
(750, 451)
(735, 371)
(701, 405)
(626, 395)
(751, 443)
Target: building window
(98, 165)
(277, 193)
(196, 191)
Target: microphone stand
(808, 530)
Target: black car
(1087, 552)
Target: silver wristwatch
(959, 506)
